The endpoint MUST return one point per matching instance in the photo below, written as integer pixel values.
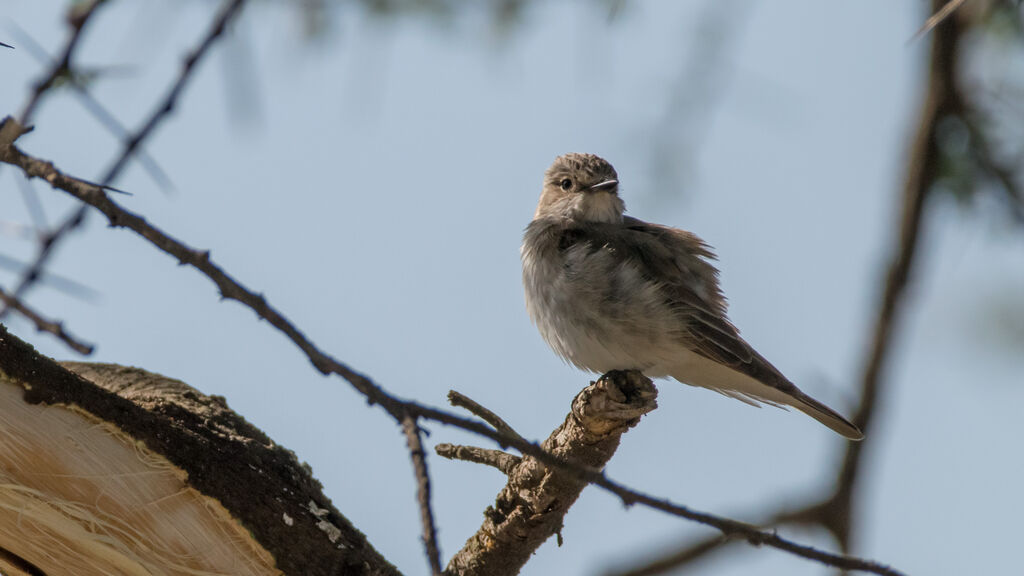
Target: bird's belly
(595, 333)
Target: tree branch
(419, 465)
(941, 99)
(938, 17)
(462, 401)
(531, 506)
(78, 19)
(44, 325)
(503, 461)
(78, 16)
(228, 11)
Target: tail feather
(827, 416)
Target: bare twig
(166, 105)
(503, 461)
(229, 10)
(462, 401)
(44, 325)
(941, 99)
(231, 289)
(47, 242)
(937, 18)
(78, 16)
(97, 109)
(33, 205)
(419, 465)
(670, 562)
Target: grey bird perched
(610, 292)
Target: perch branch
(531, 506)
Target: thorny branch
(79, 16)
(399, 409)
(419, 465)
(44, 325)
(220, 22)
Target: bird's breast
(595, 309)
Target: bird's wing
(681, 262)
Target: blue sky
(374, 184)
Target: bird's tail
(827, 416)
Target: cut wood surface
(106, 469)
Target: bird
(611, 292)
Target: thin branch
(937, 18)
(501, 460)
(44, 325)
(96, 108)
(230, 9)
(33, 205)
(460, 400)
(811, 515)
(231, 289)
(670, 562)
(941, 99)
(55, 281)
(47, 242)
(78, 16)
(419, 465)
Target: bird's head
(581, 187)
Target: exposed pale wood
(106, 469)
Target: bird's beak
(607, 185)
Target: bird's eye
(565, 184)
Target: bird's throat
(600, 207)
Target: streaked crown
(582, 170)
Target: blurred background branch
(951, 152)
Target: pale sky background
(377, 190)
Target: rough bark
(262, 487)
(531, 506)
